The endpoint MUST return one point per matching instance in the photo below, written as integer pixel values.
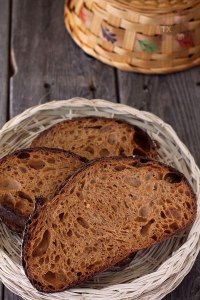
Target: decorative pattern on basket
(143, 36)
(154, 272)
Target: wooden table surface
(39, 62)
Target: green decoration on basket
(147, 46)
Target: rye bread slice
(94, 137)
(29, 173)
(109, 209)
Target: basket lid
(157, 5)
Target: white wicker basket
(153, 273)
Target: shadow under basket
(147, 36)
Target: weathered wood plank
(49, 64)
(1, 291)
(189, 289)
(8, 295)
(4, 46)
(176, 99)
(4, 58)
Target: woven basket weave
(154, 272)
(148, 36)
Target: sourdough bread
(109, 209)
(94, 137)
(30, 173)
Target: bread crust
(12, 220)
(33, 149)
(138, 162)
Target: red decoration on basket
(185, 40)
(82, 15)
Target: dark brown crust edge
(52, 150)
(14, 221)
(153, 145)
(139, 161)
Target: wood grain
(49, 64)
(4, 58)
(8, 295)
(1, 291)
(176, 99)
(189, 289)
(4, 54)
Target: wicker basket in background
(148, 36)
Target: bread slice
(27, 174)
(94, 137)
(107, 210)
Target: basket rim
(150, 7)
(124, 109)
(93, 103)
